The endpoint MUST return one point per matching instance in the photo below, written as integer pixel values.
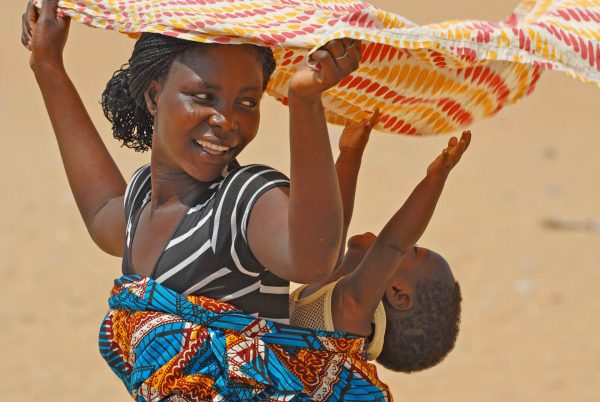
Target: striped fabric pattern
(426, 79)
(164, 346)
(208, 253)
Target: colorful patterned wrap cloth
(426, 79)
(168, 347)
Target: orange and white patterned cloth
(426, 79)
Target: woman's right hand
(49, 34)
(28, 21)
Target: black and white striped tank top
(208, 254)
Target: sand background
(530, 311)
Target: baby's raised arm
(352, 144)
(95, 180)
(366, 285)
(300, 241)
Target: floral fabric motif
(428, 79)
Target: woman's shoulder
(255, 174)
(139, 181)
(141, 173)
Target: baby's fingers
(456, 151)
(375, 118)
(466, 138)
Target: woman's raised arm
(298, 238)
(95, 180)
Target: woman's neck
(175, 187)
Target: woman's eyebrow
(215, 87)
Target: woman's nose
(220, 120)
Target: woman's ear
(151, 97)
(401, 299)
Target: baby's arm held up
(352, 144)
(367, 283)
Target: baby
(402, 297)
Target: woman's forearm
(92, 173)
(315, 205)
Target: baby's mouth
(211, 148)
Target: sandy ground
(530, 327)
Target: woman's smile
(212, 152)
(211, 148)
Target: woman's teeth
(211, 148)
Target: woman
(194, 223)
(197, 107)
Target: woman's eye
(202, 96)
(249, 103)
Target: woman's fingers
(343, 57)
(351, 57)
(329, 64)
(28, 21)
(336, 48)
(49, 8)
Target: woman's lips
(213, 149)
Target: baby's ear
(150, 95)
(400, 299)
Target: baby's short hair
(421, 337)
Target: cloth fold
(166, 346)
(428, 79)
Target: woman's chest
(151, 236)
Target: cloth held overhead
(425, 79)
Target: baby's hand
(443, 164)
(328, 66)
(356, 134)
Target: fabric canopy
(428, 79)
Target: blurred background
(530, 311)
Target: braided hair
(123, 100)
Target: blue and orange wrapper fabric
(168, 347)
(425, 79)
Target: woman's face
(206, 109)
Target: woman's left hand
(328, 66)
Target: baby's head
(422, 306)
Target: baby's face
(418, 263)
(421, 263)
